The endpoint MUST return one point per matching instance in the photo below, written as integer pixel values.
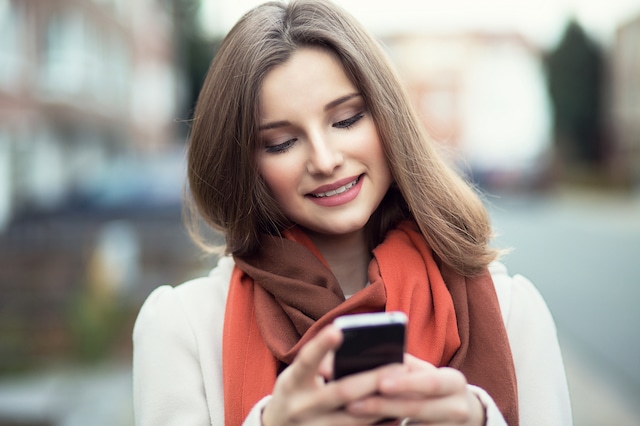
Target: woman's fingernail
(356, 406)
(389, 383)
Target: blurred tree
(575, 79)
(193, 51)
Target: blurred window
(10, 58)
(154, 91)
(85, 58)
(506, 110)
(112, 69)
(5, 178)
(64, 53)
(46, 182)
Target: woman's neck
(348, 257)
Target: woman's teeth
(337, 190)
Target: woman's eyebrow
(274, 125)
(340, 100)
(327, 107)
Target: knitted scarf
(282, 296)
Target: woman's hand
(424, 393)
(302, 394)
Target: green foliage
(194, 51)
(15, 341)
(575, 78)
(95, 321)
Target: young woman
(306, 154)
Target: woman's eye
(345, 124)
(281, 147)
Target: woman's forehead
(310, 79)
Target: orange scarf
(281, 297)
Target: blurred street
(581, 250)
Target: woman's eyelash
(345, 124)
(281, 147)
(284, 146)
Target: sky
(540, 21)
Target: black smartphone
(370, 340)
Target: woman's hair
(226, 188)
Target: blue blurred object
(134, 184)
(124, 187)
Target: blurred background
(538, 102)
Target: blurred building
(82, 82)
(625, 102)
(484, 95)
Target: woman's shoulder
(216, 281)
(177, 360)
(195, 298)
(517, 295)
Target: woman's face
(320, 153)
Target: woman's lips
(335, 188)
(338, 193)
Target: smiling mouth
(340, 190)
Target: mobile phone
(370, 340)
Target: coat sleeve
(177, 356)
(543, 395)
(167, 383)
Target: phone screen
(370, 342)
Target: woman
(306, 155)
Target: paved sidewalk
(68, 396)
(597, 399)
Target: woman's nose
(324, 156)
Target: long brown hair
(225, 187)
